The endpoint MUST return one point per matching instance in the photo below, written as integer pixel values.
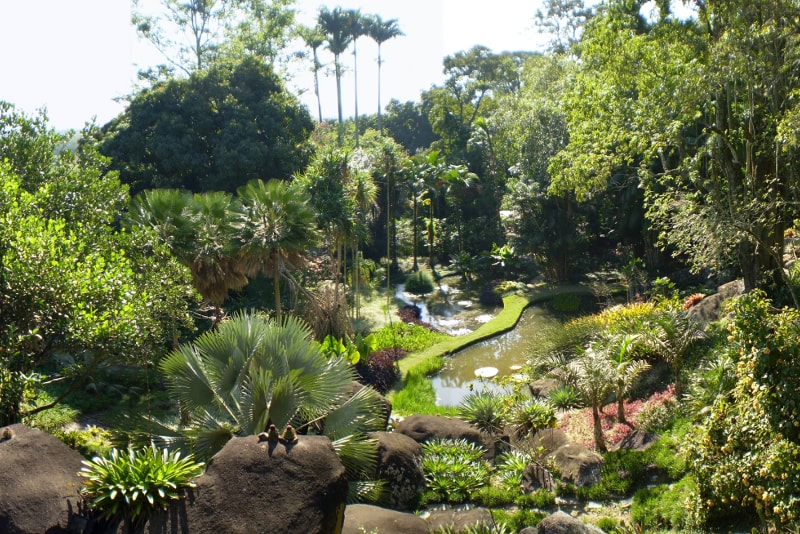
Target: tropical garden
(218, 259)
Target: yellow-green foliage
(622, 319)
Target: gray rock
(400, 466)
(577, 464)
(562, 523)
(251, 486)
(535, 477)
(459, 520)
(548, 440)
(638, 440)
(365, 518)
(543, 386)
(39, 482)
(422, 428)
(710, 308)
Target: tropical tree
(672, 334)
(214, 131)
(619, 349)
(314, 38)
(336, 26)
(593, 374)
(381, 31)
(276, 229)
(262, 29)
(199, 229)
(71, 281)
(251, 373)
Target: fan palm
(198, 228)
(380, 32)
(252, 372)
(276, 228)
(336, 26)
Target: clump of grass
(417, 396)
(408, 337)
(420, 283)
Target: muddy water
(505, 353)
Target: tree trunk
(599, 441)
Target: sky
(74, 58)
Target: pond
(506, 352)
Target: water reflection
(506, 352)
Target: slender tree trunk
(599, 441)
(340, 130)
(316, 84)
(380, 118)
(620, 405)
(276, 281)
(355, 80)
(415, 233)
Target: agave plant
(252, 372)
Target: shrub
(494, 497)
(483, 409)
(92, 441)
(453, 469)
(420, 283)
(564, 398)
(132, 486)
(519, 519)
(566, 302)
(532, 415)
(540, 498)
(663, 506)
(510, 468)
(380, 369)
(408, 337)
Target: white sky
(74, 57)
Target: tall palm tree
(336, 26)
(276, 228)
(380, 32)
(314, 38)
(252, 372)
(357, 28)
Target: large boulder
(536, 477)
(400, 466)
(256, 486)
(543, 386)
(638, 440)
(361, 518)
(710, 308)
(459, 520)
(422, 428)
(577, 464)
(562, 523)
(39, 482)
(547, 440)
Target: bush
(420, 283)
(564, 398)
(532, 415)
(540, 498)
(131, 486)
(408, 337)
(566, 302)
(380, 369)
(663, 506)
(510, 468)
(519, 519)
(454, 470)
(484, 409)
(92, 441)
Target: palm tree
(336, 26)
(314, 38)
(199, 231)
(252, 372)
(356, 28)
(593, 374)
(276, 228)
(380, 32)
(672, 333)
(619, 348)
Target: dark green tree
(214, 131)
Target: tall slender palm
(593, 375)
(314, 38)
(252, 372)
(380, 32)
(357, 28)
(336, 26)
(276, 228)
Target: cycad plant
(252, 372)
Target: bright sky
(75, 57)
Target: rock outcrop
(39, 482)
(577, 464)
(400, 466)
(562, 523)
(422, 428)
(361, 518)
